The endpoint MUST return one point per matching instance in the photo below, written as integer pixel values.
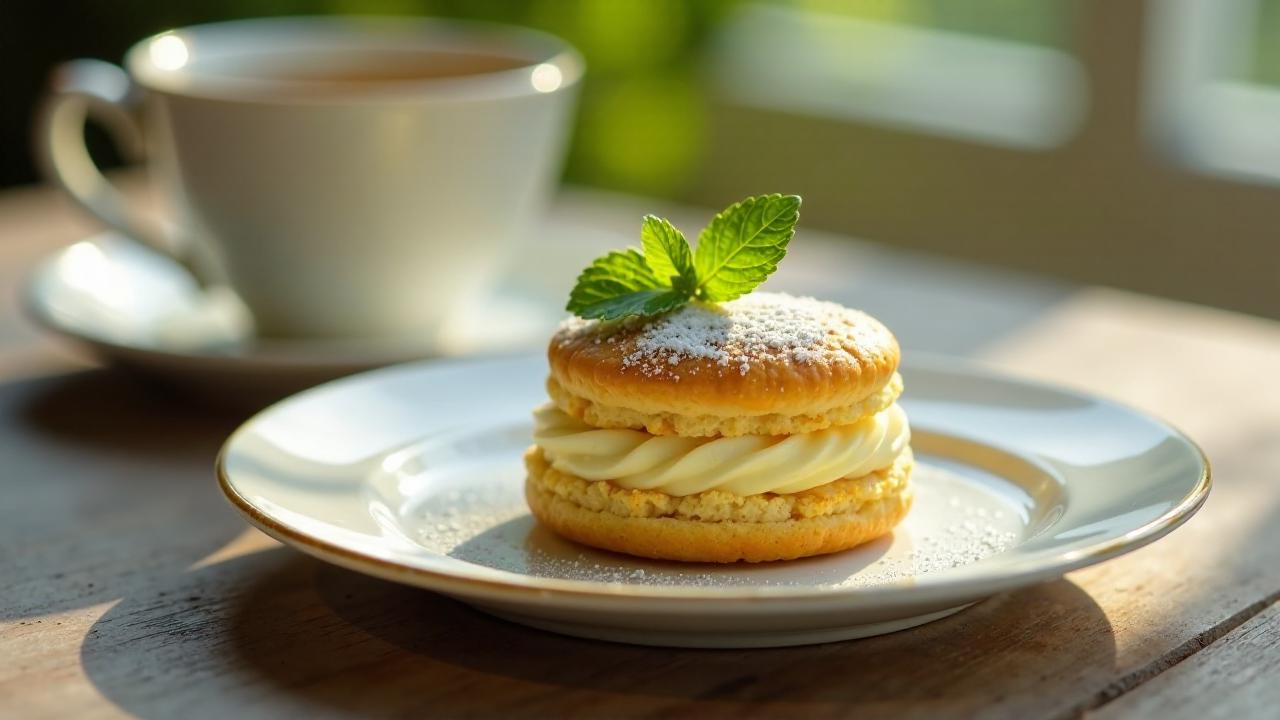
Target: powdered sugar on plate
(960, 517)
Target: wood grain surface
(131, 589)
(1236, 677)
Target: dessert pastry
(691, 420)
(762, 428)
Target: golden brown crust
(852, 358)
(705, 425)
(758, 528)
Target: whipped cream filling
(746, 465)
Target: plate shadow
(274, 633)
(107, 484)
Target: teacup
(346, 177)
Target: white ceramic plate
(414, 474)
(134, 307)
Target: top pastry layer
(763, 355)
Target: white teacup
(347, 177)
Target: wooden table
(129, 587)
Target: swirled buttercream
(746, 465)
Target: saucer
(414, 474)
(133, 307)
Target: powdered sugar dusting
(761, 327)
(479, 517)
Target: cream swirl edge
(745, 465)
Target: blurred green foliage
(1265, 58)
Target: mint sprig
(737, 251)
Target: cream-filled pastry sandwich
(692, 420)
(762, 428)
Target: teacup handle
(78, 90)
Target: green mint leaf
(643, 302)
(668, 254)
(621, 284)
(743, 244)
